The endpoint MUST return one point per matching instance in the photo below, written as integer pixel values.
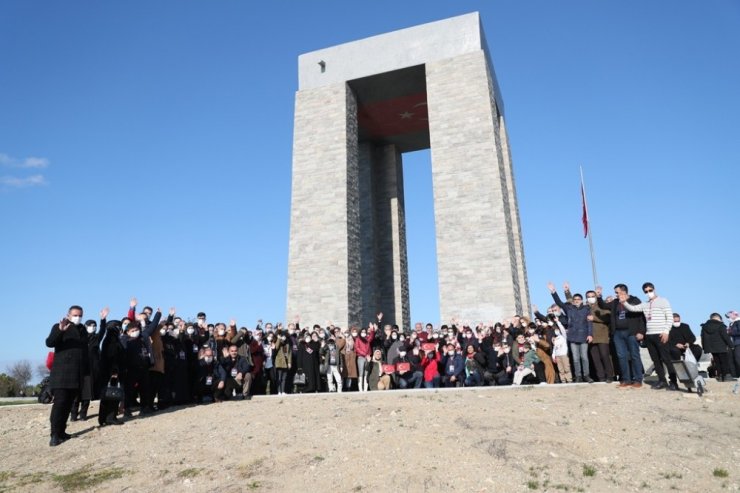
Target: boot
(75, 413)
(83, 410)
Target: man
(234, 375)
(207, 378)
(414, 376)
(659, 319)
(139, 358)
(580, 331)
(682, 338)
(628, 330)
(69, 340)
(734, 331)
(715, 340)
(454, 365)
(600, 353)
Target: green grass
(85, 478)
(670, 475)
(533, 485)
(190, 472)
(589, 471)
(254, 485)
(720, 473)
(17, 403)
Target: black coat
(681, 335)
(112, 353)
(714, 337)
(70, 356)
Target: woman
(474, 365)
(283, 360)
(363, 343)
(308, 361)
(377, 379)
(112, 364)
(349, 359)
(430, 364)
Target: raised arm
(152, 325)
(555, 296)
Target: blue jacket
(578, 326)
(454, 366)
(734, 331)
(227, 364)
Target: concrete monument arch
(359, 107)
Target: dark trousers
(60, 409)
(156, 388)
(137, 382)
(601, 356)
(660, 354)
(736, 361)
(721, 364)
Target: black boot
(83, 410)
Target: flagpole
(588, 231)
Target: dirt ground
(543, 438)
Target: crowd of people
(159, 362)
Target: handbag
(299, 378)
(112, 393)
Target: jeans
(282, 378)
(580, 358)
(474, 380)
(628, 353)
(433, 384)
(412, 380)
(333, 374)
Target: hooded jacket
(714, 338)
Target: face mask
(90, 329)
(269, 338)
(591, 300)
(651, 295)
(354, 334)
(175, 333)
(291, 332)
(507, 350)
(190, 331)
(402, 353)
(134, 334)
(402, 339)
(416, 351)
(282, 338)
(221, 332)
(162, 331)
(208, 360)
(676, 324)
(394, 336)
(557, 314)
(550, 323)
(557, 332)
(75, 320)
(468, 336)
(363, 334)
(307, 339)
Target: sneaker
(660, 386)
(672, 386)
(636, 385)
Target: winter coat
(714, 338)
(363, 345)
(430, 366)
(602, 318)
(350, 357)
(579, 328)
(283, 355)
(734, 331)
(70, 356)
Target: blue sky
(145, 149)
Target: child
(527, 365)
(560, 354)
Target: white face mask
(676, 324)
(208, 360)
(402, 353)
(75, 320)
(190, 331)
(591, 301)
(134, 334)
(162, 331)
(221, 332)
(307, 339)
(90, 329)
(651, 295)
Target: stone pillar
(477, 268)
(390, 237)
(324, 276)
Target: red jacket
(258, 357)
(362, 346)
(430, 366)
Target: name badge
(182, 354)
(622, 315)
(452, 368)
(233, 372)
(195, 348)
(209, 380)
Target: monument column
(324, 281)
(477, 272)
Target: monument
(358, 108)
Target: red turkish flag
(398, 116)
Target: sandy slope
(545, 438)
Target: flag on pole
(585, 210)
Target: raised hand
(104, 313)
(380, 316)
(535, 309)
(64, 324)
(598, 290)
(566, 286)
(232, 323)
(172, 311)
(133, 302)
(551, 287)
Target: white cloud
(15, 182)
(30, 162)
